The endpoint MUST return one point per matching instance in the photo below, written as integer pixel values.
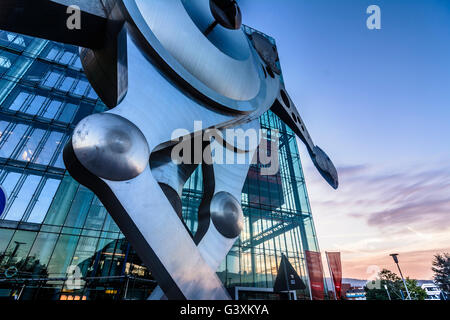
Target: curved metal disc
(226, 214)
(174, 27)
(222, 66)
(111, 147)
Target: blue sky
(378, 102)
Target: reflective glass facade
(56, 239)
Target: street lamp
(394, 256)
(387, 291)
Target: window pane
(52, 144)
(5, 237)
(62, 202)
(119, 257)
(40, 253)
(77, 63)
(18, 249)
(13, 137)
(52, 109)
(19, 101)
(35, 105)
(81, 87)
(66, 58)
(92, 94)
(68, 112)
(67, 84)
(106, 249)
(3, 125)
(16, 40)
(38, 72)
(62, 255)
(60, 162)
(32, 143)
(5, 62)
(43, 203)
(10, 182)
(22, 199)
(52, 54)
(84, 110)
(110, 225)
(80, 207)
(96, 216)
(51, 79)
(85, 253)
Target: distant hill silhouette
(361, 283)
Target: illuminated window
(15, 39)
(5, 62)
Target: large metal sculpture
(162, 65)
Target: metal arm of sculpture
(160, 66)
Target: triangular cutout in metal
(287, 278)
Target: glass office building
(56, 239)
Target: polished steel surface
(107, 69)
(174, 28)
(158, 108)
(232, 43)
(166, 171)
(162, 66)
(227, 181)
(325, 166)
(224, 182)
(111, 147)
(227, 13)
(162, 230)
(158, 129)
(226, 214)
(169, 30)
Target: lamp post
(387, 291)
(394, 256)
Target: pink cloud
(379, 211)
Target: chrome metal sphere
(226, 214)
(111, 147)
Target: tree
(416, 292)
(376, 294)
(378, 291)
(388, 276)
(395, 287)
(441, 269)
